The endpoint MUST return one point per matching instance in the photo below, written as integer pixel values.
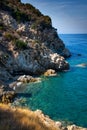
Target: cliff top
(25, 12)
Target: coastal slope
(24, 119)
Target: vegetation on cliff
(22, 119)
(25, 12)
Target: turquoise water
(64, 97)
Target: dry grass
(21, 119)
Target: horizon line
(73, 33)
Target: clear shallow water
(64, 97)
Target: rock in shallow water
(50, 72)
(27, 79)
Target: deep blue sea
(64, 97)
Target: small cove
(63, 97)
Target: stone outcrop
(36, 61)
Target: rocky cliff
(29, 45)
(28, 42)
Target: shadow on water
(26, 95)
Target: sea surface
(64, 97)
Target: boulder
(50, 72)
(59, 124)
(7, 97)
(58, 62)
(6, 93)
(27, 79)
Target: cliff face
(28, 42)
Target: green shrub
(31, 9)
(20, 44)
(20, 16)
(1, 26)
(9, 36)
(34, 25)
(45, 21)
(37, 41)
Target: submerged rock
(83, 65)
(79, 54)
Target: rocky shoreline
(8, 91)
